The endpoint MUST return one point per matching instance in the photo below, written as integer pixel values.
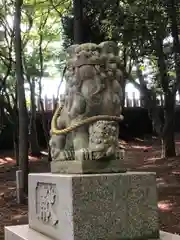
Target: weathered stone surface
(87, 119)
(94, 206)
(95, 166)
(23, 232)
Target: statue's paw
(80, 154)
(58, 155)
(110, 151)
(97, 155)
(68, 155)
(55, 153)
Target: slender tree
(23, 116)
(78, 21)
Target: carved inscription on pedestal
(46, 197)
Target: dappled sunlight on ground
(176, 172)
(152, 160)
(161, 182)
(142, 147)
(11, 160)
(45, 153)
(165, 205)
(3, 161)
(33, 158)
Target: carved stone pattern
(86, 154)
(45, 199)
(103, 137)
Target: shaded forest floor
(141, 155)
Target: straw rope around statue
(56, 131)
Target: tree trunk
(34, 146)
(78, 21)
(44, 123)
(168, 131)
(154, 113)
(172, 10)
(123, 85)
(169, 106)
(150, 102)
(16, 141)
(23, 116)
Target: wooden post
(54, 102)
(38, 104)
(161, 100)
(45, 103)
(126, 100)
(141, 100)
(133, 99)
(19, 187)
(177, 98)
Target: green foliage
(138, 26)
(41, 35)
(135, 25)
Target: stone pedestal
(94, 206)
(23, 232)
(91, 207)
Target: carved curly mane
(102, 58)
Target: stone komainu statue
(85, 126)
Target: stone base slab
(89, 166)
(23, 232)
(94, 206)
